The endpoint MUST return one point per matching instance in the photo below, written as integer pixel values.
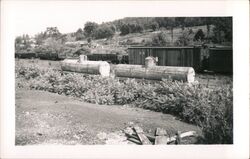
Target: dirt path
(48, 118)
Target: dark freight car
(167, 56)
(111, 58)
(48, 56)
(25, 55)
(221, 59)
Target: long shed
(167, 56)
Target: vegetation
(130, 28)
(199, 35)
(185, 38)
(159, 39)
(211, 109)
(104, 31)
(79, 34)
(149, 31)
(89, 28)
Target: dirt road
(48, 118)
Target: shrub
(130, 28)
(199, 35)
(159, 39)
(154, 26)
(89, 28)
(184, 39)
(79, 34)
(104, 31)
(211, 109)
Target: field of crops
(203, 104)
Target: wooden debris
(136, 135)
(161, 140)
(160, 132)
(189, 133)
(178, 138)
(151, 138)
(186, 134)
(144, 140)
(132, 136)
(138, 129)
(134, 141)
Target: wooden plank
(186, 134)
(138, 129)
(160, 132)
(161, 140)
(151, 138)
(134, 141)
(132, 136)
(189, 133)
(144, 140)
(178, 138)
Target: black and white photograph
(136, 80)
(87, 74)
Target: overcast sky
(31, 17)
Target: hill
(116, 36)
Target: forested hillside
(116, 36)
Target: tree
(104, 31)
(79, 34)
(52, 32)
(18, 40)
(185, 38)
(159, 39)
(154, 26)
(22, 43)
(171, 25)
(199, 36)
(89, 28)
(223, 29)
(180, 21)
(127, 28)
(39, 38)
(124, 28)
(112, 27)
(52, 45)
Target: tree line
(52, 38)
(222, 29)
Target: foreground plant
(211, 109)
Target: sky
(31, 17)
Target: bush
(159, 39)
(89, 28)
(130, 28)
(211, 109)
(79, 34)
(199, 36)
(104, 31)
(154, 26)
(185, 39)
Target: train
(110, 58)
(213, 59)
